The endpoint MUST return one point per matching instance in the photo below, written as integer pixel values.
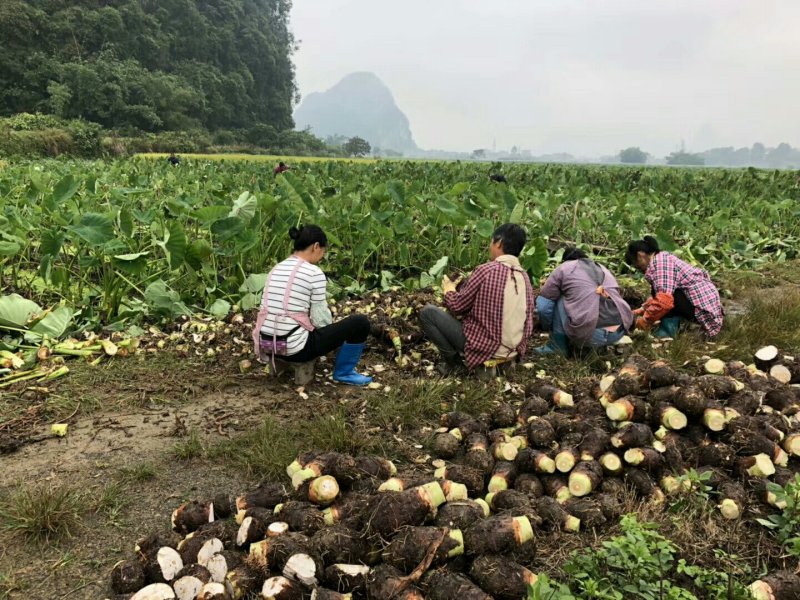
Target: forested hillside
(150, 65)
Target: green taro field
(117, 243)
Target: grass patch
(768, 318)
(262, 452)
(190, 447)
(9, 584)
(411, 403)
(42, 513)
(138, 473)
(113, 499)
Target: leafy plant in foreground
(640, 563)
(786, 525)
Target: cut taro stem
(620, 410)
(611, 463)
(714, 419)
(323, 490)
(673, 419)
(729, 509)
(792, 444)
(714, 366)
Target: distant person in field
(280, 168)
(679, 291)
(295, 323)
(173, 160)
(496, 306)
(498, 178)
(581, 306)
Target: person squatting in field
(295, 323)
(495, 302)
(679, 291)
(581, 306)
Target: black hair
(573, 254)
(308, 235)
(281, 164)
(649, 245)
(512, 236)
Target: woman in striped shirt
(294, 322)
(680, 291)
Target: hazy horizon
(570, 76)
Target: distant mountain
(359, 105)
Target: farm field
(141, 281)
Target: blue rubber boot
(557, 344)
(668, 328)
(344, 370)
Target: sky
(589, 77)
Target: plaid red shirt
(480, 301)
(667, 272)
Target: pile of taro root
(463, 528)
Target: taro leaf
(164, 301)
(145, 217)
(249, 301)
(174, 244)
(254, 283)
(9, 248)
(220, 308)
(485, 228)
(446, 206)
(198, 253)
(244, 207)
(65, 189)
(518, 213)
(131, 263)
(209, 214)
(403, 224)
(54, 324)
(16, 311)
(437, 269)
(94, 228)
(534, 258)
(387, 280)
(126, 221)
(425, 280)
(294, 189)
(228, 228)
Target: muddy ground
(142, 434)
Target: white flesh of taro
(214, 590)
(155, 591)
(170, 562)
(188, 587)
(302, 568)
(209, 549)
(274, 586)
(217, 565)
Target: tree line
(150, 65)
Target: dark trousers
(353, 330)
(683, 307)
(445, 331)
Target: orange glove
(643, 324)
(638, 312)
(659, 306)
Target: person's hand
(638, 312)
(643, 324)
(448, 285)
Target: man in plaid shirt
(495, 303)
(680, 291)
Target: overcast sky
(582, 76)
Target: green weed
(138, 473)
(42, 513)
(190, 447)
(262, 452)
